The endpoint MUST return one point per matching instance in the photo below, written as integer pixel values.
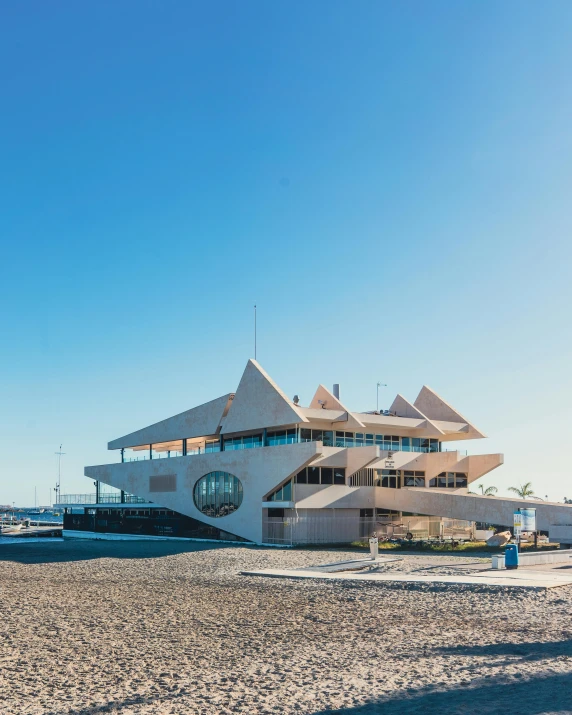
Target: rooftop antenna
(58, 485)
(255, 331)
(379, 384)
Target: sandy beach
(163, 628)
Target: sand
(89, 628)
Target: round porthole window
(218, 494)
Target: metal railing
(103, 499)
(345, 530)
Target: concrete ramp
(551, 517)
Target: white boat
(9, 528)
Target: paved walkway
(519, 578)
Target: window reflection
(449, 480)
(217, 494)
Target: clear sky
(389, 181)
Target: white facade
(320, 465)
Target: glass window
(217, 494)
(349, 439)
(339, 475)
(424, 445)
(305, 435)
(450, 479)
(441, 482)
(317, 435)
(327, 475)
(359, 439)
(301, 477)
(408, 481)
(379, 439)
(313, 475)
(369, 439)
(276, 513)
(276, 496)
(433, 482)
(328, 439)
(419, 481)
(340, 439)
(415, 444)
(408, 473)
(366, 513)
(460, 479)
(433, 445)
(406, 444)
(287, 491)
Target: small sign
(389, 464)
(528, 519)
(517, 522)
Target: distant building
(257, 466)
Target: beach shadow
(526, 651)
(63, 551)
(534, 696)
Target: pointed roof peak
(324, 398)
(403, 408)
(259, 402)
(436, 408)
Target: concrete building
(258, 466)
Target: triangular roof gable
(403, 408)
(259, 403)
(332, 403)
(436, 408)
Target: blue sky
(389, 182)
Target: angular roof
(436, 408)
(259, 403)
(197, 422)
(325, 399)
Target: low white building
(257, 466)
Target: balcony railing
(103, 499)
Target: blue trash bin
(511, 556)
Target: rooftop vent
(336, 391)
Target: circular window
(218, 494)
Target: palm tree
(524, 491)
(489, 491)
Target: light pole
(58, 485)
(379, 384)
